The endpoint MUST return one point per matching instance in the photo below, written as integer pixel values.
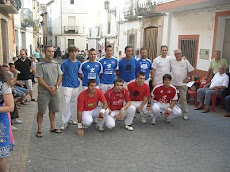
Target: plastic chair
(221, 96)
(199, 84)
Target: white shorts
(27, 83)
(105, 87)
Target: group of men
(122, 87)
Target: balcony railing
(71, 29)
(26, 18)
(10, 6)
(145, 8)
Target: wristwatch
(56, 86)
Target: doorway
(150, 42)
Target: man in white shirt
(160, 66)
(180, 69)
(219, 81)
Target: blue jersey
(90, 70)
(144, 66)
(70, 70)
(109, 66)
(127, 69)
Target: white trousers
(88, 116)
(129, 114)
(147, 81)
(144, 113)
(86, 87)
(105, 87)
(162, 107)
(126, 83)
(69, 104)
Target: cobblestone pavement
(201, 144)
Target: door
(71, 23)
(150, 42)
(226, 49)
(5, 45)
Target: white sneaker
(100, 128)
(13, 128)
(129, 127)
(153, 121)
(185, 117)
(143, 120)
(167, 120)
(16, 121)
(64, 125)
(72, 122)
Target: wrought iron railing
(71, 29)
(26, 18)
(16, 3)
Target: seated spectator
(219, 81)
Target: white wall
(193, 23)
(123, 37)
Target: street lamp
(107, 8)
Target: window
(189, 47)
(71, 1)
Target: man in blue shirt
(144, 65)
(70, 82)
(110, 65)
(90, 69)
(127, 66)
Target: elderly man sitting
(219, 81)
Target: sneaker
(72, 122)
(100, 128)
(64, 125)
(167, 120)
(153, 121)
(16, 121)
(13, 128)
(129, 127)
(185, 117)
(143, 120)
(85, 127)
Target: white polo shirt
(162, 67)
(179, 70)
(219, 80)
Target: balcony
(71, 30)
(145, 8)
(26, 18)
(129, 15)
(10, 6)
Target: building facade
(64, 24)
(7, 34)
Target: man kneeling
(117, 110)
(164, 100)
(87, 108)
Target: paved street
(199, 144)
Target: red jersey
(164, 95)
(136, 92)
(116, 100)
(86, 103)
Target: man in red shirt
(117, 110)
(87, 108)
(139, 93)
(164, 100)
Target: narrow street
(199, 144)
